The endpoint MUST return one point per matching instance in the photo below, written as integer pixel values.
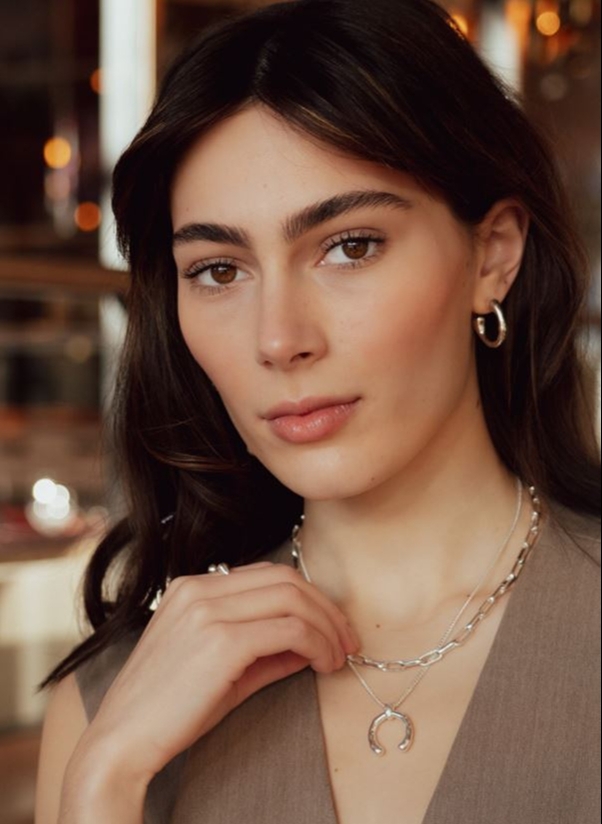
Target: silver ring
(222, 569)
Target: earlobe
(502, 237)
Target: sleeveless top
(527, 750)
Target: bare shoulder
(64, 724)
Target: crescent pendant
(388, 715)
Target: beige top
(527, 751)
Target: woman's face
(364, 297)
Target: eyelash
(347, 237)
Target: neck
(397, 555)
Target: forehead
(255, 161)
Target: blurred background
(76, 80)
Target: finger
(263, 638)
(273, 573)
(259, 565)
(275, 601)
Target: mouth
(312, 420)
(307, 407)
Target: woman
(352, 418)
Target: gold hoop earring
(481, 327)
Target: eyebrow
(297, 225)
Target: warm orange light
(96, 81)
(462, 23)
(88, 217)
(518, 13)
(57, 152)
(548, 23)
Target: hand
(213, 642)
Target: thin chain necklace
(424, 662)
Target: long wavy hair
(391, 81)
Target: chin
(328, 478)
(323, 490)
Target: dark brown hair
(393, 82)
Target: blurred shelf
(40, 549)
(19, 417)
(26, 275)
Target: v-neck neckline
(460, 749)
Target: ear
(501, 240)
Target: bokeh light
(53, 508)
(461, 22)
(44, 491)
(519, 14)
(88, 216)
(96, 81)
(548, 23)
(57, 153)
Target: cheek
(215, 348)
(420, 328)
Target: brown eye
(356, 249)
(353, 250)
(223, 273)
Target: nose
(290, 329)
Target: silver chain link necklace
(444, 647)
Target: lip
(318, 419)
(306, 406)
